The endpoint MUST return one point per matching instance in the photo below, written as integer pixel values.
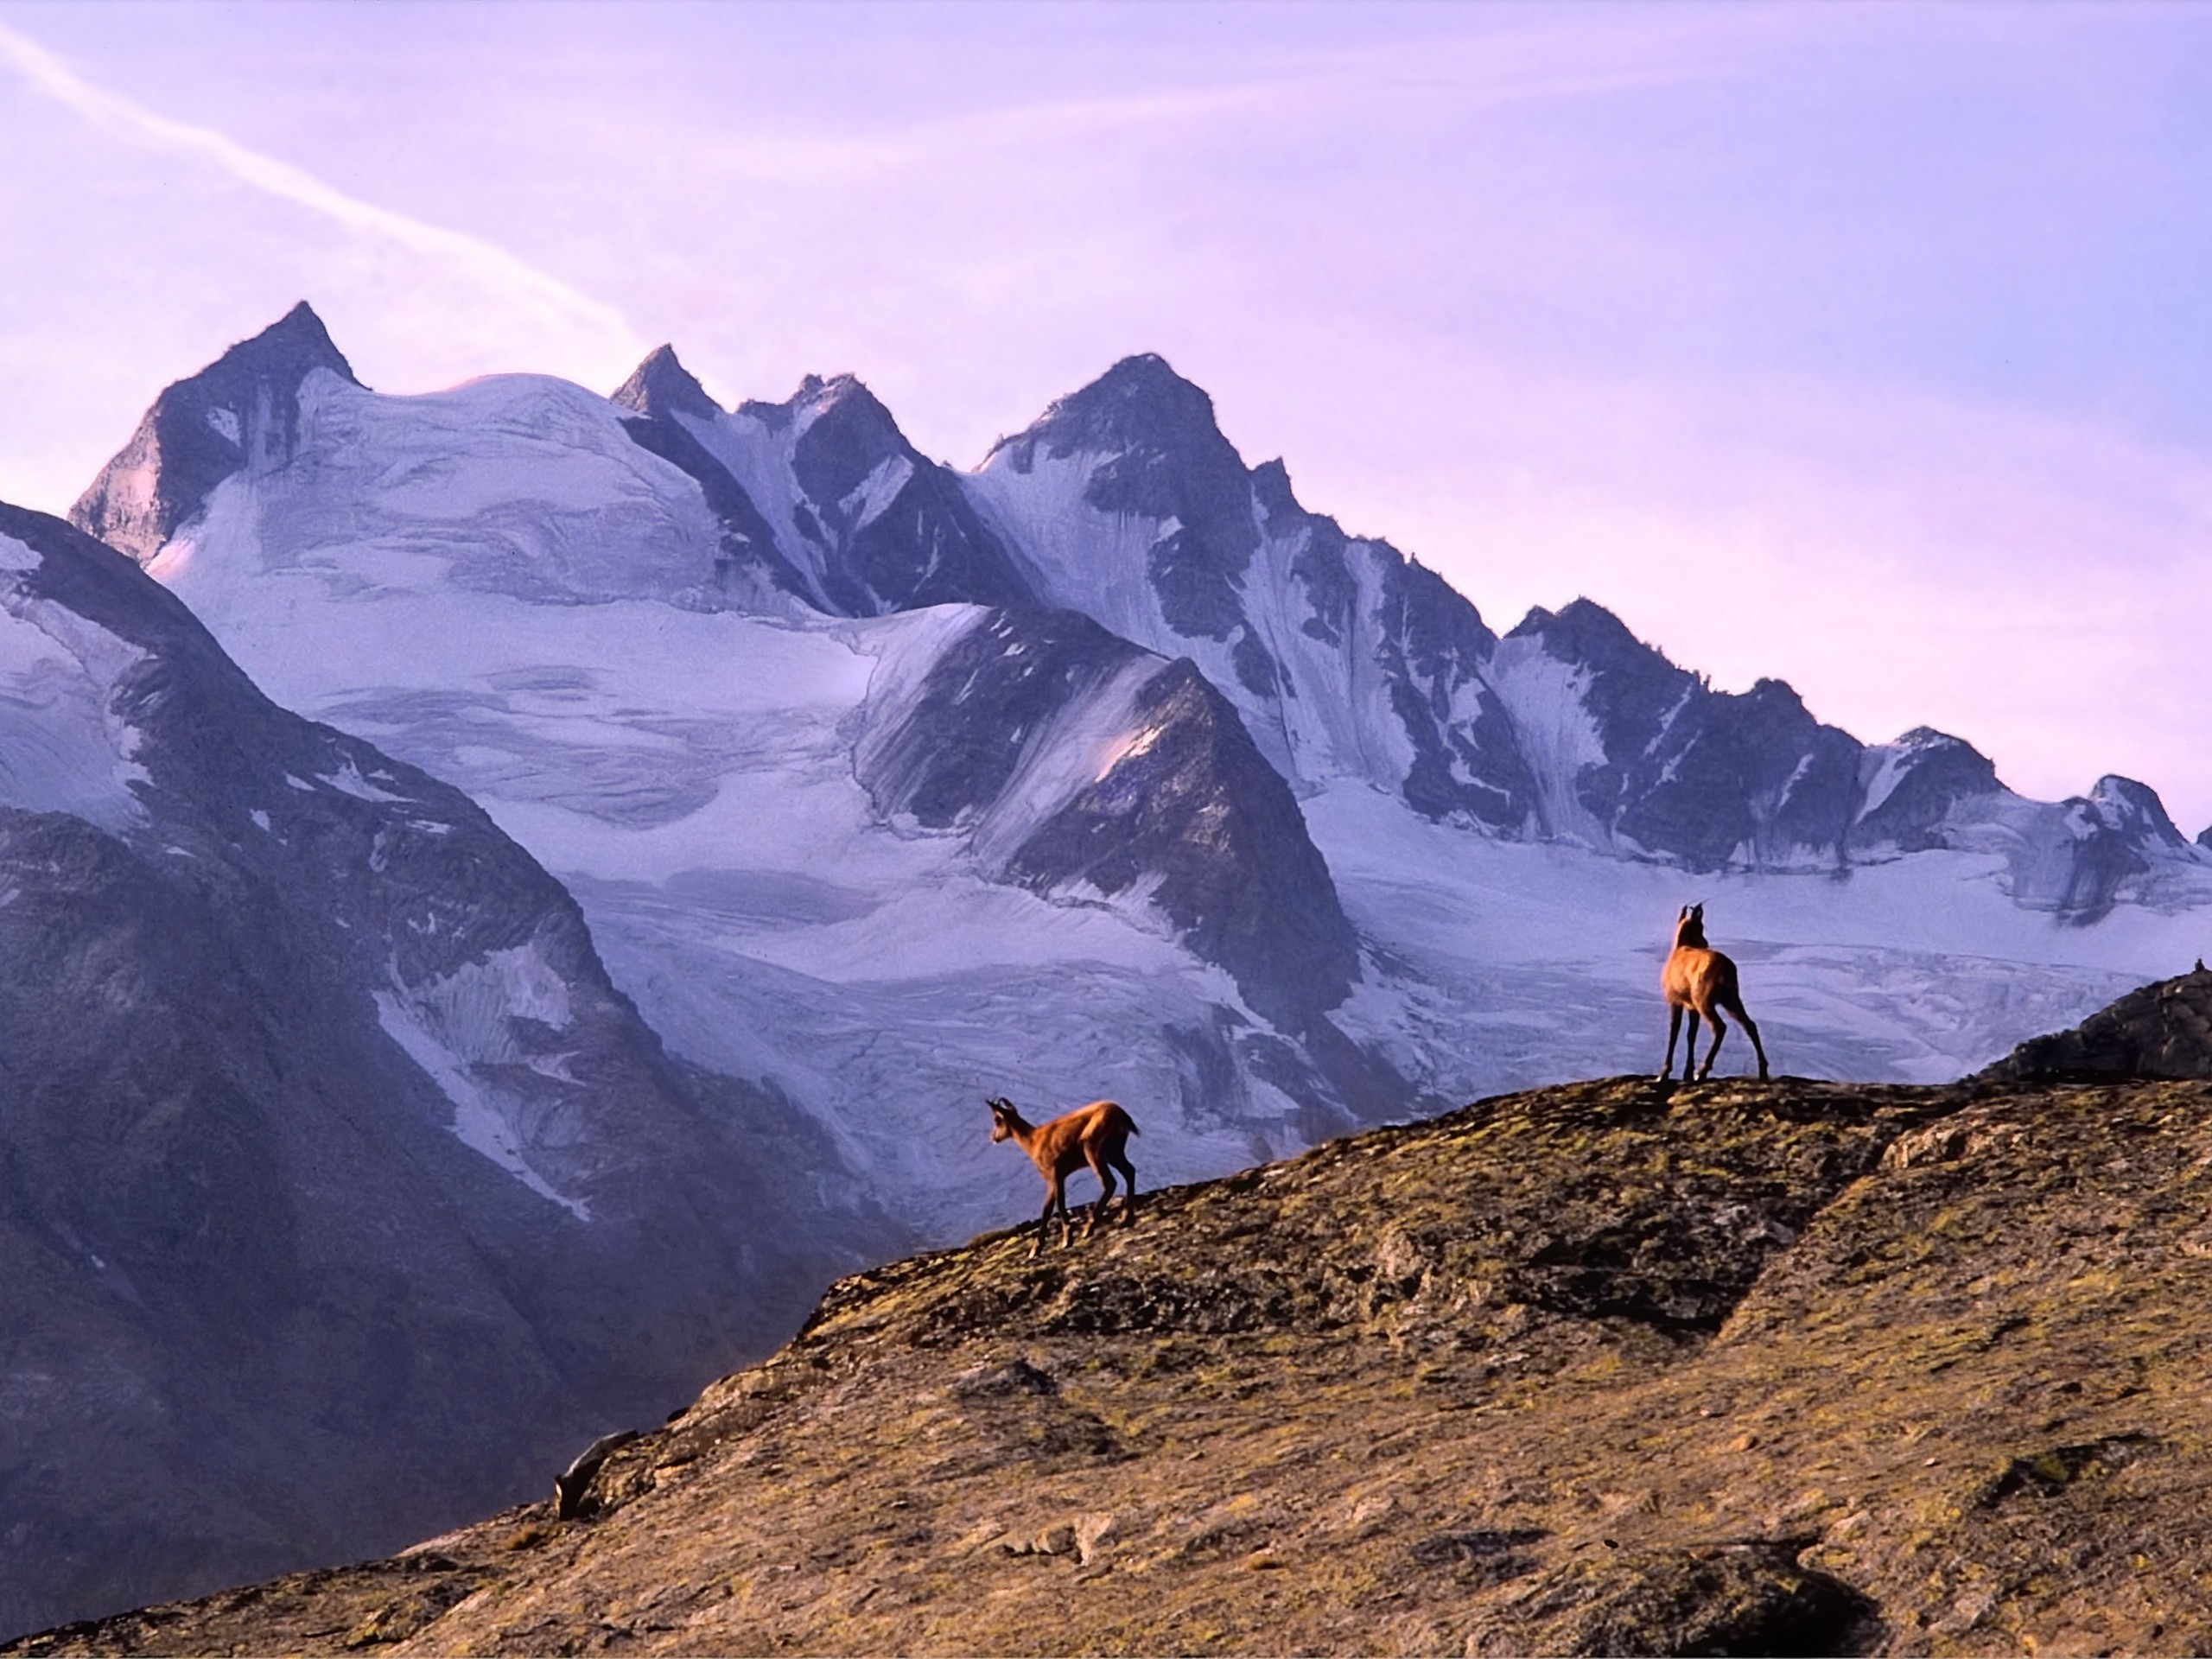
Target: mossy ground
(1795, 1366)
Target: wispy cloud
(520, 283)
(1489, 70)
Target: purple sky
(1867, 347)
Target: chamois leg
(1105, 1189)
(1675, 1031)
(1121, 1162)
(1750, 1030)
(1055, 1197)
(1689, 1048)
(1719, 1030)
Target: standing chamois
(1093, 1135)
(1699, 978)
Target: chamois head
(1003, 1117)
(1689, 927)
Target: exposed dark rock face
(1165, 459)
(1433, 650)
(1705, 776)
(924, 546)
(662, 390)
(872, 524)
(1934, 773)
(339, 1187)
(1175, 799)
(1340, 654)
(240, 413)
(1194, 807)
(988, 702)
(2162, 1031)
(2118, 830)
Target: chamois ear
(1683, 914)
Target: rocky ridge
(1347, 658)
(1795, 1366)
(2161, 1031)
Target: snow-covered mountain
(856, 806)
(885, 863)
(857, 521)
(1352, 662)
(341, 1192)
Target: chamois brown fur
(1095, 1135)
(1701, 980)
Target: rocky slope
(1798, 1367)
(338, 1184)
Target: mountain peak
(2125, 803)
(662, 385)
(1583, 630)
(839, 394)
(283, 353)
(1140, 405)
(240, 412)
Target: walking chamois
(1093, 1135)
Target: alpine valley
(685, 815)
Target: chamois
(1699, 978)
(1093, 1135)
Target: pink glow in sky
(1869, 347)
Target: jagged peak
(839, 395)
(1927, 739)
(1143, 374)
(1775, 693)
(1271, 488)
(1925, 746)
(241, 409)
(1582, 627)
(2123, 802)
(284, 351)
(662, 385)
(1139, 403)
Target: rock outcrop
(2161, 1031)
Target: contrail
(513, 279)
